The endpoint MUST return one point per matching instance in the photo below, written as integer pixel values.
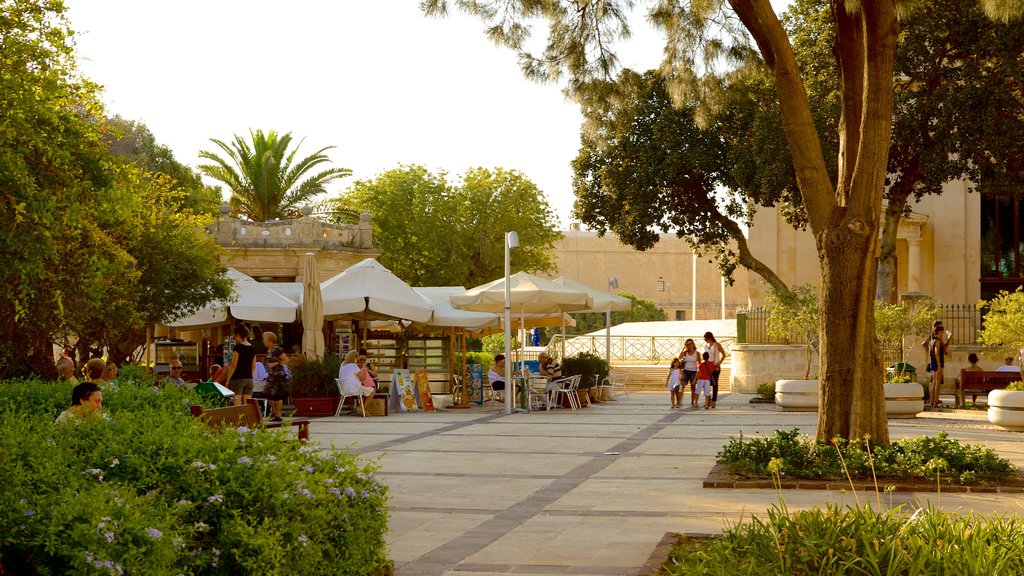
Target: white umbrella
(603, 301)
(446, 315)
(253, 302)
(370, 291)
(312, 310)
(528, 294)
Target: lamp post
(511, 241)
(613, 284)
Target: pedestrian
(690, 357)
(243, 363)
(936, 345)
(276, 389)
(716, 355)
(675, 383)
(704, 383)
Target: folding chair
(568, 387)
(359, 398)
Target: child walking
(704, 370)
(675, 383)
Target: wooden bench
(247, 415)
(973, 382)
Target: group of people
(700, 369)
(98, 371)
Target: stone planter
(903, 399)
(305, 407)
(801, 395)
(1006, 409)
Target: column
(914, 264)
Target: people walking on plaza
(238, 374)
(936, 346)
(716, 355)
(704, 383)
(276, 389)
(690, 357)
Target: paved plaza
(475, 492)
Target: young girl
(675, 383)
(704, 370)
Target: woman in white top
(690, 357)
(716, 355)
(351, 376)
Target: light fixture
(613, 283)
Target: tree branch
(748, 261)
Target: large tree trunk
(843, 217)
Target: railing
(650, 349)
(963, 321)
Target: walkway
(477, 493)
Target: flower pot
(305, 407)
(903, 399)
(594, 396)
(799, 395)
(1006, 409)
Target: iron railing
(648, 349)
(963, 321)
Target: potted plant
(1003, 330)
(591, 368)
(793, 317)
(897, 327)
(313, 388)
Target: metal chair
(359, 397)
(568, 387)
(618, 381)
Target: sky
(376, 79)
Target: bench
(248, 415)
(973, 382)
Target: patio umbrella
(369, 291)
(312, 310)
(253, 302)
(603, 301)
(446, 315)
(528, 294)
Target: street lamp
(511, 241)
(613, 284)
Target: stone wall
(754, 364)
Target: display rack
(384, 351)
(431, 353)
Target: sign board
(476, 384)
(423, 384)
(403, 396)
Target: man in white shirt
(1008, 365)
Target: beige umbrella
(603, 301)
(312, 310)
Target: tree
(435, 233)
(1004, 324)
(653, 168)
(135, 142)
(265, 180)
(895, 323)
(842, 213)
(793, 316)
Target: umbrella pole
(562, 357)
(608, 337)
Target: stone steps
(653, 378)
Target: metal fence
(963, 321)
(647, 349)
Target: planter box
(305, 407)
(1006, 409)
(798, 395)
(903, 399)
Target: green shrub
(804, 457)
(1017, 386)
(135, 374)
(840, 541)
(314, 378)
(150, 490)
(766, 390)
(590, 366)
(484, 359)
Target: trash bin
(901, 368)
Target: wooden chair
(247, 415)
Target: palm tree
(265, 181)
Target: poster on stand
(476, 384)
(423, 385)
(403, 396)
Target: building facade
(686, 286)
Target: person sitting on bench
(1008, 366)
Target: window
(1001, 239)
(680, 314)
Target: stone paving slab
(475, 492)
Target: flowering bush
(149, 490)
